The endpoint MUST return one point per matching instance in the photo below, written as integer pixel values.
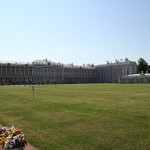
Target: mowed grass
(80, 117)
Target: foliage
(142, 66)
(148, 69)
(80, 117)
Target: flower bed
(12, 138)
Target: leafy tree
(142, 66)
(148, 69)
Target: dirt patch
(30, 147)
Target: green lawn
(80, 117)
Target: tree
(148, 69)
(142, 66)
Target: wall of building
(135, 78)
(15, 73)
(56, 73)
(78, 74)
(110, 72)
(47, 72)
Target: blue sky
(78, 31)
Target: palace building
(110, 72)
(48, 72)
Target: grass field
(80, 117)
